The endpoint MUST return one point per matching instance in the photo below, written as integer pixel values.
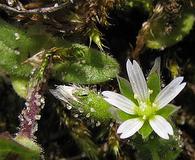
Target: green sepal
(93, 105)
(156, 148)
(125, 88)
(122, 116)
(146, 130)
(10, 148)
(153, 83)
(168, 110)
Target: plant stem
(35, 101)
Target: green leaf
(168, 110)
(20, 86)
(85, 66)
(16, 45)
(146, 130)
(153, 83)
(125, 88)
(156, 38)
(10, 149)
(10, 63)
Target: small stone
(26, 104)
(17, 36)
(111, 124)
(37, 103)
(150, 91)
(10, 2)
(92, 109)
(35, 128)
(30, 122)
(15, 66)
(56, 5)
(69, 107)
(42, 100)
(92, 120)
(88, 115)
(37, 117)
(37, 96)
(81, 110)
(17, 52)
(97, 124)
(76, 116)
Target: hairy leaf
(10, 149)
(85, 66)
(158, 39)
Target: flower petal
(156, 66)
(64, 93)
(137, 80)
(169, 92)
(161, 126)
(130, 127)
(119, 101)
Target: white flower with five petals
(144, 110)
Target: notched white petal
(142, 81)
(169, 92)
(161, 126)
(129, 127)
(137, 80)
(119, 101)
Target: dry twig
(44, 10)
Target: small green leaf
(10, 149)
(17, 44)
(20, 86)
(154, 85)
(156, 37)
(85, 66)
(168, 110)
(28, 143)
(125, 88)
(146, 130)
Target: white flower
(144, 110)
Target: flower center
(146, 110)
